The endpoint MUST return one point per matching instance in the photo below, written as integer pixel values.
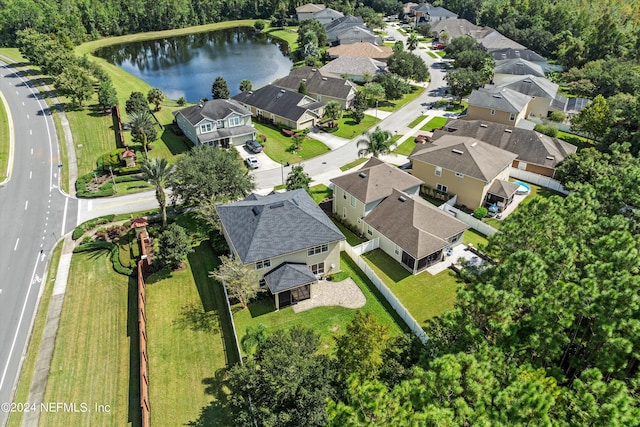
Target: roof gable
(531, 85)
(282, 102)
(263, 227)
(363, 49)
(353, 65)
(317, 83)
(499, 98)
(309, 8)
(375, 180)
(217, 109)
(465, 155)
(519, 67)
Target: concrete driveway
(266, 163)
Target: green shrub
(548, 130)
(88, 225)
(112, 248)
(111, 158)
(480, 212)
(557, 116)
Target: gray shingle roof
(415, 225)
(226, 133)
(511, 53)
(263, 227)
(493, 40)
(465, 155)
(530, 146)
(288, 276)
(317, 83)
(531, 85)
(282, 102)
(344, 22)
(503, 189)
(309, 8)
(375, 180)
(217, 109)
(353, 65)
(499, 98)
(518, 67)
(455, 27)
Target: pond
(186, 66)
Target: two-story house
(221, 122)
(541, 90)
(357, 193)
(325, 88)
(506, 68)
(280, 106)
(425, 12)
(498, 104)
(466, 167)
(287, 238)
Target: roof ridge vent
(362, 175)
(455, 150)
(495, 95)
(550, 158)
(474, 144)
(402, 199)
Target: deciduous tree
(241, 280)
(358, 106)
(245, 85)
(155, 97)
(107, 95)
(136, 102)
(173, 247)
(298, 178)
(220, 89)
(594, 119)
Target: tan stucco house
(541, 90)
(498, 104)
(357, 193)
(466, 167)
(220, 122)
(287, 238)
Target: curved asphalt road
(34, 214)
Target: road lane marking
(26, 204)
(32, 151)
(23, 103)
(16, 246)
(30, 174)
(64, 215)
(28, 116)
(15, 337)
(30, 132)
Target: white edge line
(15, 337)
(64, 215)
(12, 144)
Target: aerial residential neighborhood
(319, 214)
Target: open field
(329, 322)
(424, 295)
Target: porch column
(278, 301)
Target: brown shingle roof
(468, 156)
(367, 50)
(415, 225)
(502, 188)
(309, 8)
(375, 180)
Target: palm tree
(158, 172)
(143, 128)
(332, 112)
(375, 143)
(412, 42)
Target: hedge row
(88, 225)
(113, 248)
(107, 189)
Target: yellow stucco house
(498, 104)
(466, 167)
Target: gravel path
(346, 294)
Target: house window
(353, 201)
(459, 175)
(344, 194)
(206, 127)
(234, 121)
(455, 239)
(397, 250)
(317, 249)
(493, 112)
(265, 263)
(318, 268)
(220, 124)
(438, 171)
(259, 113)
(344, 212)
(441, 187)
(262, 283)
(369, 231)
(512, 116)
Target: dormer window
(234, 121)
(512, 116)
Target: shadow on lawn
(215, 414)
(176, 144)
(262, 305)
(135, 415)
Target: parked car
(252, 162)
(437, 46)
(390, 38)
(253, 146)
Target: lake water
(188, 65)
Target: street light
(376, 108)
(282, 171)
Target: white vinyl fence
(541, 180)
(470, 220)
(354, 253)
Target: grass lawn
(277, 146)
(391, 106)
(441, 53)
(577, 140)
(456, 107)
(29, 364)
(424, 295)
(435, 123)
(320, 192)
(95, 358)
(349, 129)
(329, 322)
(476, 239)
(431, 54)
(417, 121)
(352, 238)
(288, 34)
(406, 147)
(188, 349)
(4, 142)
(353, 164)
(493, 222)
